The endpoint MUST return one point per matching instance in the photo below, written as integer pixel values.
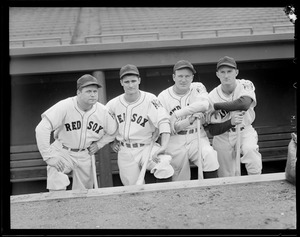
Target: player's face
(183, 79)
(227, 75)
(88, 95)
(130, 84)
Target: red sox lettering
(174, 109)
(76, 125)
(135, 118)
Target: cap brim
(227, 64)
(90, 83)
(192, 69)
(129, 72)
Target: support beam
(103, 156)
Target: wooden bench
(26, 163)
(273, 142)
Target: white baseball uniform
(74, 131)
(183, 146)
(137, 122)
(224, 144)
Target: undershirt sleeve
(219, 128)
(243, 103)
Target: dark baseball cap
(226, 61)
(129, 69)
(183, 64)
(87, 80)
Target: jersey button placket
(83, 131)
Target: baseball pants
(79, 163)
(130, 161)
(225, 143)
(184, 149)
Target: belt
(71, 149)
(190, 131)
(132, 145)
(234, 129)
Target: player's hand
(57, 163)
(200, 116)
(160, 151)
(93, 148)
(215, 113)
(155, 157)
(237, 118)
(115, 146)
(173, 120)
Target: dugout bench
(26, 163)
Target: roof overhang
(158, 53)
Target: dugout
(41, 76)
(33, 94)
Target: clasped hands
(174, 121)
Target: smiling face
(131, 84)
(183, 79)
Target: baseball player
(233, 103)
(184, 101)
(81, 126)
(139, 114)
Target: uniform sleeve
(219, 128)
(109, 106)
(110, 128)
(248, 89)
(243, 103)
(42, 134)
(182, 124)
(111, 125)
(158, 116)
(161, 99)
(56, 114)
(199, 102)
(107, 138)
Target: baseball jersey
(194, 101)
(243, 88)
(138, 120)
(77, 129)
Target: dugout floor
(265, 202)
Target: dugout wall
(33, 94)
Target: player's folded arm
(195, 107)
(219, 128)
(243, 103)
(182, 124)
(106, 139)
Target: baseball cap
(183, 64)
(129, 69)
(87, 80)
(226, 61)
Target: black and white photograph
(152, 118)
